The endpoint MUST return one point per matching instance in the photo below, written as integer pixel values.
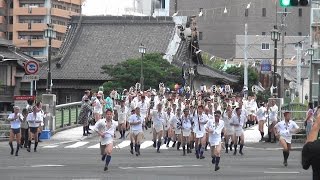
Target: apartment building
(23, 22)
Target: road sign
(266, 66)
(31, 67)
(30, 78)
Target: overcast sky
(103, 7)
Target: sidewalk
(73, 134)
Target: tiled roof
(202, 70)
(102, 40)
(290, 72)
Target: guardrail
(66, 115)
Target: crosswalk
(94, 145)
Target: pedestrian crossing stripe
(121, 145)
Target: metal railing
(67, 114)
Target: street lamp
(319, 87)
(142, 50)
(275, 36)
(49, 33)
(310, 53)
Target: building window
(265, 46)
(300, 12)
(3, 74)
(263, 33)
(68, 99)
(246, 13)
(299, 33)
(36, 53)
(10, 19)
(163, 4)
(285, 33)
(264, 12)
(200, 35)
(10, 36)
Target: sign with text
(266, 66)
(21, 101)
(30, 78)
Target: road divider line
(275, 172)
(158, 167)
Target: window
(200, 35)
(263, 33)
(68, 99)
(264, 12)
(163, 4)
(299, 33)
(300, 12)
(10, 36)
(246, 13)
(36, 53)
(3, 74)
(265, 46)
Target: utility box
(49, 104)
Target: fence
(66, 115)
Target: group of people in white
(205, 119)
(26, 125)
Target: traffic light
(288, 3)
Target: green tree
(253, 77)
(215, 63)
(155, 70)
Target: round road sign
(31, 67)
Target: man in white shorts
(284, 130)
(229, 131)
(158, 118)
(136, 134)
(200, 119)
(106, 129)
(186, 131)
(237, 122)
(214, 129)
(122, 112)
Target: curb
(52, 133)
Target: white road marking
(155, 167)
(123, 144)
(164, 146)
(275, 172)
(77, 144)
(146, 144)
(47, 165)
(96, 146)
(51, 146)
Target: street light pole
(275, 36)
(142, 50)
(310, 53)
(49, 33)
(318, 87)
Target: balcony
(30, 26)
(72, 1)
(31, 11)
(62, 13)
(60, 28)
(30, 42)
(56, 43)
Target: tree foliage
(215, 63)
(253, 77)
(155, 70)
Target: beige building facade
(23, 22)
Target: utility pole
(282, 26)
(299, 48)
(245, 84)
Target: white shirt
(122, 112)
(134, 119)
(238, 121)
(158, 118)
(273, 114)
(261, 113)
(167, 120)
(227, 121)
(101, 126)
(216, 128)
(286, 130)
(143, 108)
(186, 122)
(97, 108)
(202, 119)
(16, 122)
(34, 120)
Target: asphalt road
(59, 162)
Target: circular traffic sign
(31, 67)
